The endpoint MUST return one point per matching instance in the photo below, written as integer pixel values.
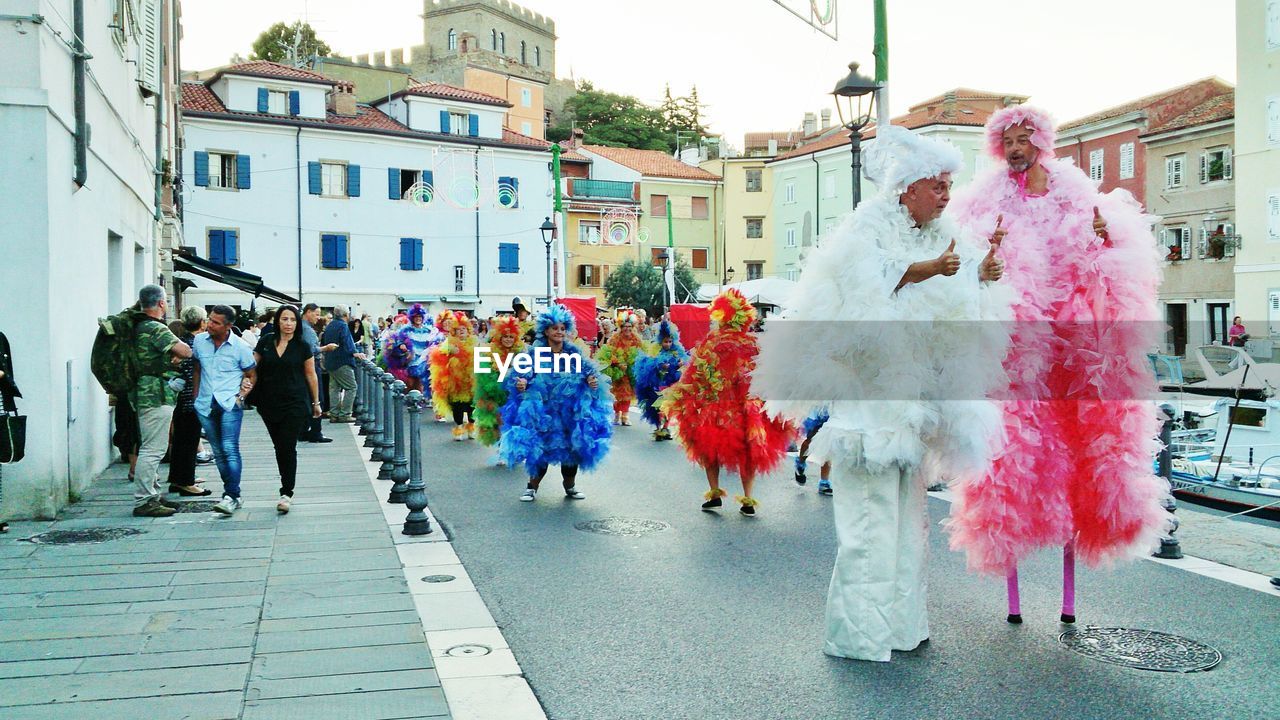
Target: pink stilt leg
(1015, 604)
(1069, 583)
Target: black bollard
(358, 405)
(387, 443)
(417, 522)
(374, 438)
(364, 418)
(1170, 548)
(400, 461)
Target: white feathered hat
(898, 157)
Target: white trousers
(876, 602)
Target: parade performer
(885, 324)
(559, 417)
(656, 372)
(416, 339)
(453, 380)
(396, 350)
(812, 424)
(722, 424)
(506, 338)
(1083, 265)
(617, 359)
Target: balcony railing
(603, 189)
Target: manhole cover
(438, 578)
(1142, 649)
(622, 526)
(471, 650)
(197, 506)
(88, 535)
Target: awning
(447, 299)
(230, 277)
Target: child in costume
(506, 338)
(617, 358)
(416, 339)
(721, 423)
(812, 424)
(453, 379)
(559, 417)
(395, 349)
(655, 373)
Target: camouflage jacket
(151, 357)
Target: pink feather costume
(1081, 424)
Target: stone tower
(514, 39)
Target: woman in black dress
(286, 385)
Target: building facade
(1257, 166)
(424, 198)
(96, 207)
(1196, 207)
(601, 221)
(746, 199)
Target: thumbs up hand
(997, 237)
(948, 263)
(1099, 225)
(992, 267)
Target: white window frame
(1175, 171)
(331, 172)
(791, 236)
(789, 192)
(277, 102)
(220, 160)
(1206, 161)
(758, 186)
(747, 231)
(526, 97)
(589, 232)
(755, 276)
(1228, 229)
(459, 123)
(1180, 234)
(1097, 164)
(706, 250)
(1128, 166)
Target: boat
(1216, 467)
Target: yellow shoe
(471, 430)
(459, 433)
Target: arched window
(537, 56)
(493, 37)
(453, 39)
(524, 60)
(502, 43)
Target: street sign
(819, 14)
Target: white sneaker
(574, 493)
(228, 506)
(282, 507)
(529, 495)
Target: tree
(692, 112)
(614, 120)
(639, 285)
(289, 43)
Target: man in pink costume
(1079, 417)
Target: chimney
(826, 118)
(773, 147)
(342, 100)
(810, 123)
(575, 139)
(949, 104)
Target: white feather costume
(904, 375)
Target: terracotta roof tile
(198, 97)
(266, 68)
(452, 92)
(367, 117)
(962, 94)
(785, 138)
(515, 138)
(1214, 85)
(651, 163)
(1215, 109)
(961, 114)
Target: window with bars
(1127, 170)
(755, 228)
(1174, 170)
(1096, 158)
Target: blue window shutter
(473, 125)
(242, 172)
(215, 246)
(263, 99)
(313, 177)
(342, 251)
(393, 183)
(406, 253)
(353, 181)
(295, 102)
(444, 121)
(328, 251)
(417, 253)
(202, 168)
(515, 188)
(429, 178)
(508, 258)
(230, 247)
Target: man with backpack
(149, 354)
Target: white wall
(265, 216)
(241, 94)
(423, 114)
(54, 282)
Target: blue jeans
(223, 430)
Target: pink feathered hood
(1043, 138)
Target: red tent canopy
(584, 314)
(694, 322)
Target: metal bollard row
(1170, 548)
(386, 444)
(417, 522)
(362, 417)
(400, 459)
(374, 438)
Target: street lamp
(849, 94)
(664, 259)
(728, 275)
(548, 236)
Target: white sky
(758, 68)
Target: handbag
(13, 437)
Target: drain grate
(438, 578)
(196, 506)
(469, 650)
(630, 527)
(79, 537)
(1142, 649)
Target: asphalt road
(721, 616)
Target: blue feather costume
(653, 373)
(558, 419)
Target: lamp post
(664, 259)
(728, 277)
(548, 230)
(849, 94)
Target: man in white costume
(895, 322)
